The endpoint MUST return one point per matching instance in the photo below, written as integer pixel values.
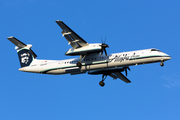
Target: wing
(74, 39)
(119, 75)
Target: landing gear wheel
(79, 64)
(101, 83)
(162, 64)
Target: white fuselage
(96, 62)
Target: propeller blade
(128, 68)
(105, 52)
(101, 52)
(101, 40)
(103, 46)
(105, 40)
(126, 71)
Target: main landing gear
(101, 83)
(79, 64)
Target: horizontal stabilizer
(20, 44)
(17, 42)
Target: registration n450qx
(91, 58)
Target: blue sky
(127, 24)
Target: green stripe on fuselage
(100, 62)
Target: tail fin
(25, 54)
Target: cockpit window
(155, 50)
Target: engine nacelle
(91, 48)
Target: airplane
(91, 58)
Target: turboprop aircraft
(91, 60)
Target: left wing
(74, 39)
(119, 75)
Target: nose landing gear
(101, 83)
(162, 64)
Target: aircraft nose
(167, 57)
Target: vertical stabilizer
(25, 54)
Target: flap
(119, 75)
(71, 36)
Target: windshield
(155, 50)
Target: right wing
(119, 75)
(74, 39)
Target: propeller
(125, 69)
(104, 46)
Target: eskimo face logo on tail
(25, 57)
